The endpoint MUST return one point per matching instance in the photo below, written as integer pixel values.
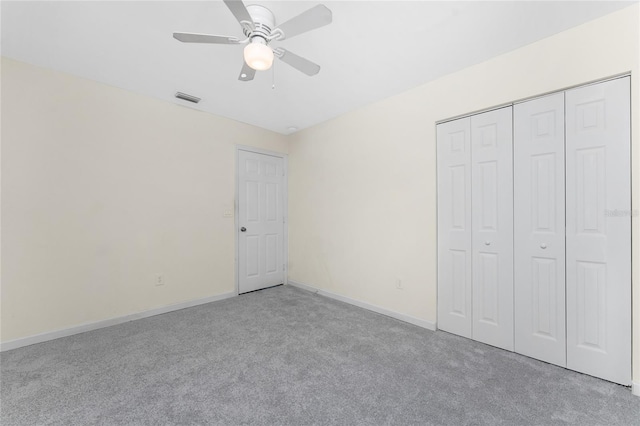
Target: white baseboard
(70, 331)
(635, 388)
(393, 314)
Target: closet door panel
(492, 227)
(598, 206)
(454, 226)
(539, 229)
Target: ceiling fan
(258, 25)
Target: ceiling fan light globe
(258, 56)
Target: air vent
(189, 98)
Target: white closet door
(454, 227)
(492, 225)
(539, 229)
(599, 230)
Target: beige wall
(362, 200)
(102, 189)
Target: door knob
(243, 229)
(543, 246)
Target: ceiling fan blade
(205, 38)
(239, 10)
(298, 62)
(313, 18)
(247, 73)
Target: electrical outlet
(159, 280)
(399, 284)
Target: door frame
(285, 210)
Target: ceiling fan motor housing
(263, 20)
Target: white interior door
(539, 229)
(454, 226)
(260, 221)
(492, 227)
(598, 207)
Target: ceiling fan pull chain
(273, 77)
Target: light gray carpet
(287, 356)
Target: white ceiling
(372, 50)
